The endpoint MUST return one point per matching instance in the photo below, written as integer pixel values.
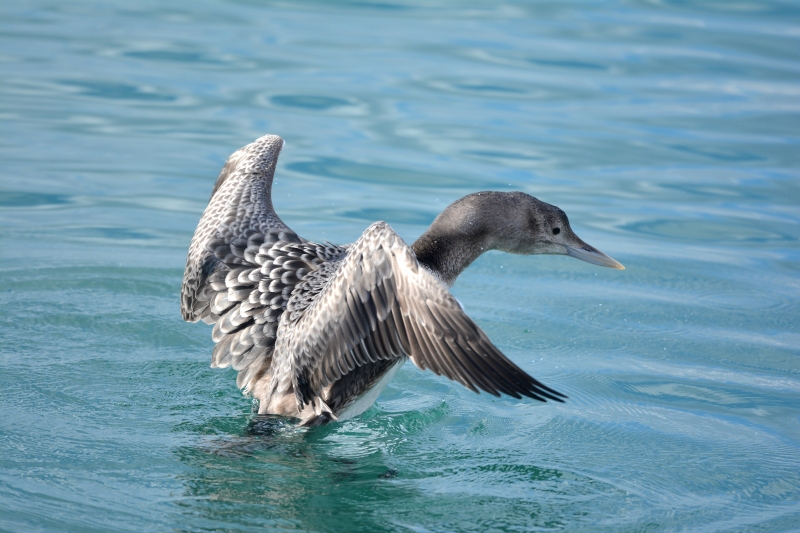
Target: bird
(316, 330)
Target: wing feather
(379, 305)
(244, 262)
(239, 217)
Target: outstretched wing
(238, 216)
(382, 305)
(244, 262)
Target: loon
(316, 330)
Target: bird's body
(317, 330)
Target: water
(668, 131)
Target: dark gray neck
(446, 251)
(475, 224)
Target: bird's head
(518, 223)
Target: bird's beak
(592, 255)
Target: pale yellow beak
(592, 255)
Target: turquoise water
(668, 131)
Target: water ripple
(666, 130)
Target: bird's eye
(556, 231)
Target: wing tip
(543, 393)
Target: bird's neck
(446, 251)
